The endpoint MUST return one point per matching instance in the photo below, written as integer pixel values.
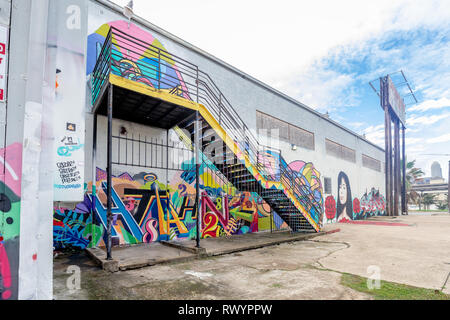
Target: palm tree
(428, 199)
(412, 174)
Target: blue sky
(328, 51)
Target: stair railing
(136, 59)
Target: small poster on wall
(3, 61)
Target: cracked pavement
(417, 255)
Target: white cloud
(321, 89)
(425, 120)
(439, 139)
(431, 105)
(376, 134)
(356, 124)
(266, 39)
(412, 141)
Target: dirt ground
(417, 254)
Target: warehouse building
(116, 132)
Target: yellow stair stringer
(166, 96)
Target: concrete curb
(99, 256)
(180, 246)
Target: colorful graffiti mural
(138, 64)
(10, 186)
(309, 179)
(145, 210)
(306, 177)
(345, 208)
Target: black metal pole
(197, 166)
(94, 168)
(271, 220)
(404, 200)
(197, 177)
(109, 174)
(167, 185)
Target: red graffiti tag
(5, 272)
(210, 221)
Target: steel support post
(197, 167)
(94, 167)
(167, 185)
(197, 176)
(109, 173)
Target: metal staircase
(170, 83)
(238, 174)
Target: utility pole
(448, 191)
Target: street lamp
(128, 11)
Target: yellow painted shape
(264, 223)
(162, 225)
(174, 219)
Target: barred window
(327, 185)
(339, 151)
(371, 163)
(286, 131)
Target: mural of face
(342, 192)
(344, 203)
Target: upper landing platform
(150, 86)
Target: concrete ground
(149, 254)
(417, 253)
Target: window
(286, 131)
(371, 163)
(327, 186)
(339, 151)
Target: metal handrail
(196, 85)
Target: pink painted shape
(297, 165)
(5, 272)
(142, 36)
(134, 31)
(11, 164)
